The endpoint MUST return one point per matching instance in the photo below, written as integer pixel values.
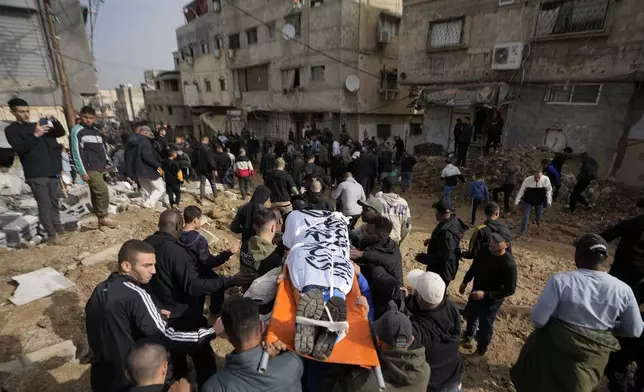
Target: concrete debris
(82, 256)
(38, 284)
(231, 195)
(12, 182)
(109, 254)
(69, 222)
(210, 237)
(23, 229)
(44, 322)
(65, 351)
(112, 209)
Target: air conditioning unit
(231, 53)
(507, 56)
(384, 37)
(190, 60)
(217, 53)
(237, 94)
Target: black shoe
(326, 340)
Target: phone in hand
(45, 122)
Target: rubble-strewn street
(88, 256)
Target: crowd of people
(146, 318)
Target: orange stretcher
(357, 347)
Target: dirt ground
(61, 316)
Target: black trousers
(475, 206)
(174, 193)
(620, 376)
(46, 191)
(244, 184)
(575, 195)
(555, 192)
(462, 154)
(507, 190)
(367, 184)
(202, 356)
(210, 177)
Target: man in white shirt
(535, 192)
(348, 194)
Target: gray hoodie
(349, 192)
(240, 373)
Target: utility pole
(68, 106)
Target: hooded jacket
(349, 192)
(39, 156)
(318, 201)
(197, 246)
(404, 370)
(481, 238)
(176, 286)
(477, 190)
(88, 149)
(243, 222)
(444, 249)
(451, 174)
(397, 211)
(267, 164)
(204, 159)
(259, 256)
(140, 159)
(244, 167)
(589, 170)
(438, 330)
(386, 254)
(222, 163)
(366, 166)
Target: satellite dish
(352, 83)
(288, 31)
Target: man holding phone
(40, 156)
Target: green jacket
(404, 370)
(562, 358)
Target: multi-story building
(164, 101)
(27, 70)
(130, 103)
(561, 72)
(324, 63)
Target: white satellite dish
(352, 83)
(288, 31)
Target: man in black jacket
(444, 245)
(376, 250)
(282, 188)
(267, 165)
(40, 156)
(204, 165)
(119, 313)
(366, 170)
(312, 171)
(436, 326)
(385, 162)
(243, 222)
(178, 289)
(588, 172)
(222, 166)
(628, 263)
(463, 142)
(143, 166)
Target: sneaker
(326, 340)
(311, 305)
(107, 222)
(467, 344)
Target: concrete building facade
(130, 103)
(27, 70)
(164, 101)
(283, 83)
(562, 73)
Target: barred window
(572, 16)
(445, 33)
(574, 94)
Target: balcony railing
(570, 16)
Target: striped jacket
(88, 150)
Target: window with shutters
(252, 78)
(573, 94)
(445, 33)
(290, 79)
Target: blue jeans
(526, 209)
(481, 314)
(447, 193)
(405, 180)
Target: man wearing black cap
(444, 245)
(40, 156)
(403, 368)
(495, 278)
(576, 318)
(628, 263)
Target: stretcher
(356, 348)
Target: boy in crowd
(378, 251)
(495, 278)
(478, 192)
(173, 175)
(90, 157)
(396, 210)
(535, 192)
(260, 255)
(451, 175)
(243, 222)
(244, 171)
(553, 175)
(482, 234)
(197, 245)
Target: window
(170, 110)
(416, 129)
(196, 83)
(176, 61)
(233, 41)
(191, 51)
(208, 85)
(389, 80)
(252, 78)
(290, 79)
(383, 131)
(204, 47)
(574, 94)
(562, 17)
(316, 3)
(219, 42)
(216, 5)
(251, 36)
(223, 85)
(157, 85)
(317, 73)
(445, 33)
(271, 30)
(294, 19)
(173, 85)
(161, 109)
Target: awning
(490, 94)
(215, 122)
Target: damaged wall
(592, 128)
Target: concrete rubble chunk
(109, 254)
(23, 229)
(65, 349)
(38, 284)
(11, 182)
(69, 222)
(9, 217)
(231, 195)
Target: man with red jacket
(244, 171)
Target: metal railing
(570, 16)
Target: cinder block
(9, 217)
(69, 222)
